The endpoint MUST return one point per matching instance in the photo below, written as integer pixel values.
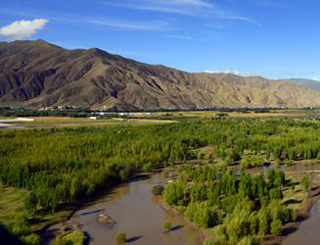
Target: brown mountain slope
(37, 74)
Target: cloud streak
(234, 72)
(23, 28)
(197, 8)
(129, 25)
(156, 25)
(185, 37)
(275, 4)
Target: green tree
(263, 222)
(157, 190)
(120, 238)
(166, 226)
(32, 239)
(32, 202)
(276, 227)
(305, 183)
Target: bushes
(175, 194)
(32, 239)
(21, 226)
(263, 222)
(305, 184)
(75, 237)
(64, 165)
(203, 215)
(157, 190)
(293, 215)
(31, 202)
(218, 236)
(147, 167)
(251, 162)
(276, 227)
(121, 238)
(166, 226)
(248, 207)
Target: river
(308, 231)
(135, 212)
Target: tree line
(68, 164)
(242, 208)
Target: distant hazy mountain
(37, 74)
(309, 83)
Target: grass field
(13, 210)
(270, 114)
(54, 122)
(163, 118)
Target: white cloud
(235, 72)
(23, 28)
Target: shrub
(31, 202)
(244, 163)
(305, 184)
(20, 226)
(202, 215)
(75, 237)
(157, 190)
(293, 214)
(166, 226)
(174, 194)
(263, 222)
(277, 163)
(288, 162)
(147, 167)
(276, 227)
(121, 238)
(32, 239)
(218, 236)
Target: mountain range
(36, 74)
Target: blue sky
(271, 38)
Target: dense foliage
(65, 165)
(61, 165)
(240, 206)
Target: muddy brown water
(308, 231)
(135, 212)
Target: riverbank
(50, 231)
(288, 228)
(294, 197)
(303, 204)
(201, 233)
(291, 227)
(135, 211)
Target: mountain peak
(39, 74)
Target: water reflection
(297, 168)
